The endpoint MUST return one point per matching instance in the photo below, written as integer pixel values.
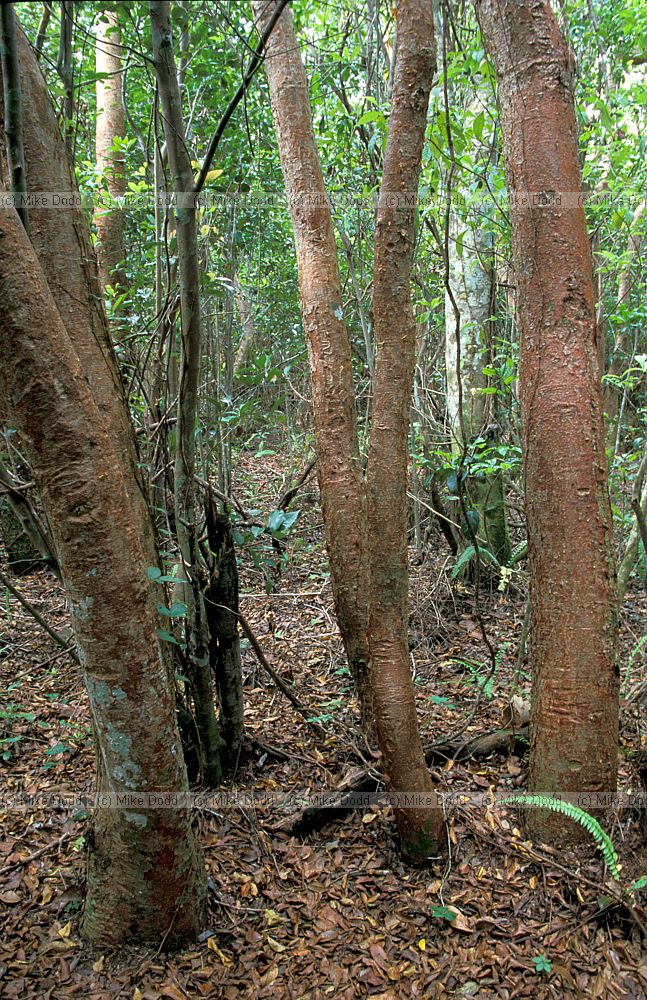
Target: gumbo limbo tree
(366, 522)
(574, 720)
(59, 379)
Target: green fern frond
(640, 883)
(580, 816)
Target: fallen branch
(361, 780)
(38, 617)
(37, 854)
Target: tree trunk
(221, 596)
(574, 720)
(145, 880)
(333, 391)
(62, 244)
(186, 524)
(611, 392)
(110, 128)
(470, 279)
(421, 828)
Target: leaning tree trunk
(574, 742)
(421, 828)
(145, 879)
(333, 391)
(110, 128)
(61, 241)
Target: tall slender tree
(333, 391)
(367, 542)
(186, 513)
(58, 379)
(574, 721)
(109, 131)
(395, 327)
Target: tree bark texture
(421, 829)
(110, 128)
(333, 391)
(470, 279)
(61, 241)
(221, 598)
(186, 524)
(145, 879)
(574, 722)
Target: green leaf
(290, 519)
(542, 963)
(443, 913)
(276, 520)
(177, 610)
(462, 560)
(167, 637)
(474, 519)
(370, 116)
(638, 884)
(153, 573)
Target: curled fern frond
(580, 816)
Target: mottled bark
(145, 880)
(574, 720)
(186, 522)
(333, 391)
(61, 240)
(110, 128)
(421, 829)
(470, 280)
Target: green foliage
(588, 822)
(443, 913)
(468, 554)
(542, 963)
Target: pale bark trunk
(575, 694)
(246, 316)
(611, 393)
(421, 828)
(110, 126)
(186, 520)
(470, 279)
(333, 391)
(145, 879)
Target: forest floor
(332, 913)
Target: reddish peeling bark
(61, 241)
(575, 695)
(145, 878)
(333, 391)
(421, 829)
(110, 126)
